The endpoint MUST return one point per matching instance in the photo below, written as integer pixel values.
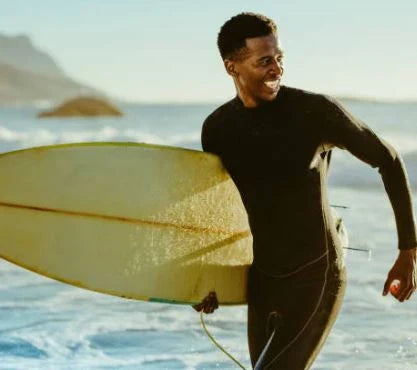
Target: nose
(277, 68)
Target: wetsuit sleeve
(343, 130)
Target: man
(276, 143)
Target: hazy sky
(156, 50)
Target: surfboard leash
(203, 324)
(259, 362)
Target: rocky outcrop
(83, 107)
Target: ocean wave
(41, 136)
(345, 169)
(348, 171)
(15, 347)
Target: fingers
(211, 303)
(401, 289)
(198, 307)
(413, 287)
(387, 285)
(409, 294)
(208, 304)
(213, 297)
(406, 289)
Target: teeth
(272, 84)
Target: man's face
(257, 72)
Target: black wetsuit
(278, 155)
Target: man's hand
(404, 270)
(209, 303)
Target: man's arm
(343, 130)
(209, 143)
(404, 270)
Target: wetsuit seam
(306, 323)
(298, 269)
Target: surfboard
(139, 221)
(133, 220)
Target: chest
(288, 142)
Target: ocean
(45, 324)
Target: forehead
(264, 45)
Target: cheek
(252, 80)
(258, 85)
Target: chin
(270, 97)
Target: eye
(265, 62)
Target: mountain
(19, 52)
(28, 74)
(18, 86)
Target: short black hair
(233, 34)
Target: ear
(230, 67)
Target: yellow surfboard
(133, 220)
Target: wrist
(409, 252)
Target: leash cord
(203, 324)
(259, 363)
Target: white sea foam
(41, 136)
(76, 329)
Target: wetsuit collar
(264, 106)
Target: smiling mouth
(272, 84)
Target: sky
(165, 50)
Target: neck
(246, 99)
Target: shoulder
(212, 132)
(307, 97)
(322, 105)
(216, 121)
(219, 115)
